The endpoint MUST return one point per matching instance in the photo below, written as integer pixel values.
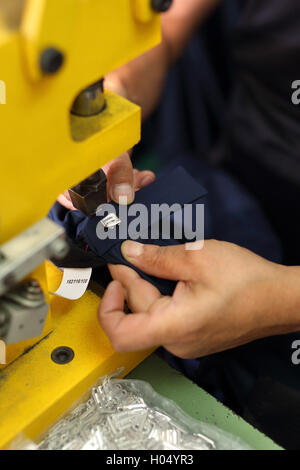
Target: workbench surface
(197, 403)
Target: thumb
(120, 179)
(168, 262)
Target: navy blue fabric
(256, 138)
(228, 210)
(264, 123)
(259, 136)
(190, 118)
(177, 186)
(231, 213)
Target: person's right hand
(226, 296)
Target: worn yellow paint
(40, 157)
(34, 391)
(15, 350)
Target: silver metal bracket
(23, 312)
(28, 250)
(111, 221)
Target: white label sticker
(74, 283)
(2, 352)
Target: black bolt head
(51, 60)
(161, 5)
(62, 355)
(3, 319)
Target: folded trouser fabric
(168, 195)
(229, 215)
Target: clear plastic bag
(125, 414)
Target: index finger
(127, 333)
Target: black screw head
(9, 281)
(161, 5)
(51, 60)
(3, 319)
(33, 287)
(62, 355)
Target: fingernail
(147, 180)
(122, 193)
(132, 249)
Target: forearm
(142, 80)
(271, 304)
(181, 21)
(285, 300)
(227, 296)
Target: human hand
(122, 181)
(226, 296)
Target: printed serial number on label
(74, 283)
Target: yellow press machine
(53, 54)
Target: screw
(161, 5)
(59, 248)
(3, 319)
(4, 323)
(62, 355)
(51, 60)
(33, 287)
(9, 281)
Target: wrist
(272, 302)
(288, 298)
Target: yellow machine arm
(51, 52)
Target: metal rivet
(62, 355)
(59, 248)
(9, 280)
(51, 60)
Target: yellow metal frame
(15, 350)
(44, 151)
(34, 391)
(95, 36)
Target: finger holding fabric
(226, 296)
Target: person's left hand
(122, 181)
(226, 296)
